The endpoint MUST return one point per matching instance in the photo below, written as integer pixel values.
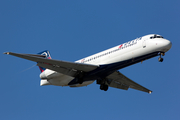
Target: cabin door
(144, 43)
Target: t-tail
(48, 56)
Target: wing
(64, 67)
(118, 80)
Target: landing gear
(79, 77)
(103, 84)
(80, 80)
(104, 87)
(160, 59)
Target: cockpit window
(159, 37)
(156, 36)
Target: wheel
(104, 87)
(160, 59)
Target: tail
(48, 56)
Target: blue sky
(73, 29)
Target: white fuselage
(127, 51)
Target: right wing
(118, 80)
(64, 67)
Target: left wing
(64, 67)
(118, 80)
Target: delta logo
(120, 46)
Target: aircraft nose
(166, 45)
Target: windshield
(156, 36)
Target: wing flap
(122, 79)
(65, 71)
(116, 84)
(62, 64)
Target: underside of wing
(118, 80)
(64, 67)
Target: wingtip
(6, 53)
(150, 92)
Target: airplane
(102, 67)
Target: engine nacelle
(44, 82)
(43, 75)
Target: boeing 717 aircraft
(102, 67)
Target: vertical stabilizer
(48, 56)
